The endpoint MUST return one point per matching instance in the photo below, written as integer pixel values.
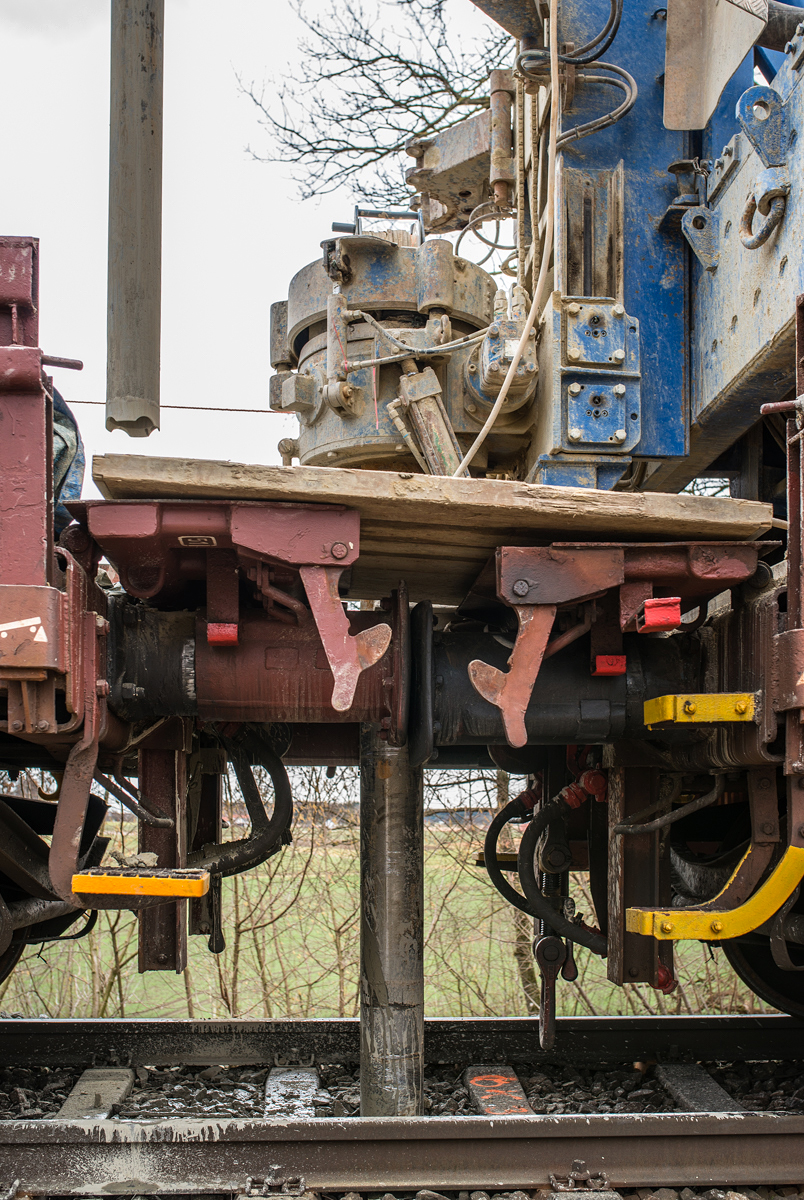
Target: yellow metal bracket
(173, 884)
(676, 924)
(717, 706)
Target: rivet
(521, 587)
(338, 549)
(666, 926)
(574, 389)
(494, 331)
(531, 368)
(471, 407)
(574, 435)
(619, 355)
(690, 707)
(716, 927)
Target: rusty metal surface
(580, 1040)
(158, 546)
(88, 1158)
(162, 928)
(391, 930)
(510, 691)
(281, 672)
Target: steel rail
(579, 1040)
(398, 1153)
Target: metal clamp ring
(752, 241)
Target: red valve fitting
(666, 982)
(530, 797)
(596, 784)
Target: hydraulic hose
(540, 906)
(232, 858)
(544, 266)
(515, 808)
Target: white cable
(555, 106)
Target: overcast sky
(233, 230)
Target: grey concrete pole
(135, 217)
(391, 930)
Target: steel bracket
(763, 119)
(701, 228)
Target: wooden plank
(560, 514)
(438, 533)
(495, 1091)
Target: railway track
(114, 1149)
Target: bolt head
(666, 926)
(716, 927)
(574, 434)
(801, 831)
(573, 309)
(573, 355)
(493, 368)
(618, 355)
(618, 310)
(521, 587)
(767, 827)
(339, 549)
(574, 389)
(619, 435)
(494, 331)
(15, 725)
(102, 687)
(619, 389)
(42, 726)
(690, 707)
(471, 407)
(741, 707)
(531, 368)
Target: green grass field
(292, 934)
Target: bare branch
(371, 78)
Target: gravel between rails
(223, 1092)
(238, 1092)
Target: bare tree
(373, 76)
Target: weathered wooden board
(438, 533)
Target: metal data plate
(595, 335)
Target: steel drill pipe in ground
(391, 930)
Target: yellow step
(137, 881)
